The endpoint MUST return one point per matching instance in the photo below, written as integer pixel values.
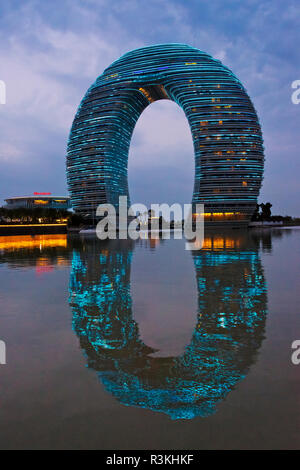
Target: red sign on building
(41, 194)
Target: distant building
(38, 200)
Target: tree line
(38, 215)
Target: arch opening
(161, 167)
(164, 301)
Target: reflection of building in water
(100, 296)
(151, 240)
(230, 327)
(40, 251)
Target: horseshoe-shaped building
(226, 134)
(228, 333)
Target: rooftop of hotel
(40, 196)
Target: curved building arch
(227, 138)
(232, 308)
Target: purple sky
(52, 51)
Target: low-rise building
(38, 200)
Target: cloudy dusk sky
(51, 52)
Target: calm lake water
(144, 345)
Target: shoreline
(33, 229)
(48, 229)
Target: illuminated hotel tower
(227, 138)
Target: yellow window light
(146, 94)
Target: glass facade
(31, 202)
(226, 134)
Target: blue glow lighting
(227, 138)
(227, 335)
